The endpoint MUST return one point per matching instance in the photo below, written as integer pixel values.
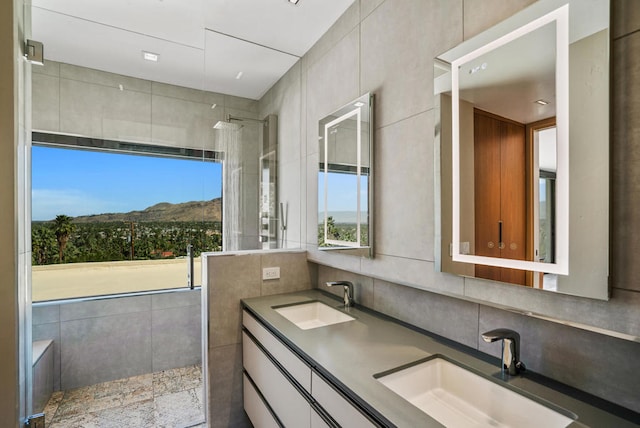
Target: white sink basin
(312, 315)
(456, 397)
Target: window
(118, 221)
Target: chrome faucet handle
(348, 292)
(511, 363)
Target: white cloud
(48, 203)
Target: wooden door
(500, 194)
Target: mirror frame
(458, 57)
(354, 108)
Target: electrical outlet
(271, 273)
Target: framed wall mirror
(345, 180)
(523, 150)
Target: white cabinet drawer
(337, 406)
(288, 404)
(298, 369)
(257, 411)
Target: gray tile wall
(232, 277)
(602, 365)
(101, 340)
(387, 47)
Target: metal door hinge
(34, 52)
(35, 421)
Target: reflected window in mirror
(522, 144)
(344, 179)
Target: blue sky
(80, 182)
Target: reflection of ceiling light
(294, 1)
(541, 102)
(149, 56)
(477, 68)
(213, 106)
(239, 75)
(358, 104)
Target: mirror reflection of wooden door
(500, 194)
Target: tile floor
(170, 398)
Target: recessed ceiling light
(478, 68)
(294, 1)
(358, 104)
(541, 102)
(239, 75)
(150, 56)
(213, 106)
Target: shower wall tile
(398, 46)
(106, 307)
(482, 14)
(101, 349)
(404, 189)
(45, 104)
(239, 103)
(176, 337)
(50, 332)
(50, 68)
(187, 94)
(311, 203)
(176, 299)
(332, 83)
(588, 361)
(181, 123)
(104, 112)
(231, 278)
(45, 314)
(103, 78)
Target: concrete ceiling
(203, 44)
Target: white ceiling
(203, 44)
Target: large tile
(625, 17)
(368, 6)
(187, 94)
(286, 99)
(50, 68)
(482, 14)
(104, 307)
(617, 315)
(225, 383)
(51, 332)
(289, 185)
(362, 285)
(45, 314)
(429, 311)
(341, 28)
(45, 103)
(332, 83)
(239, 103)
(176, 299)
(104, 112)
(404, 222)
(182, 123)
(294, 272)
(399, 42)
(102, 349)
(103, 78)
(231, 278)
(589, 361)
(311, 202)
(176, 337)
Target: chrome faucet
(348, 292)
(511, 363)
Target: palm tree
(62, 227)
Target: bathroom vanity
(309, 362)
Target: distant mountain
(164, 211)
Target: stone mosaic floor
(171, 398)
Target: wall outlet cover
(271, 273)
